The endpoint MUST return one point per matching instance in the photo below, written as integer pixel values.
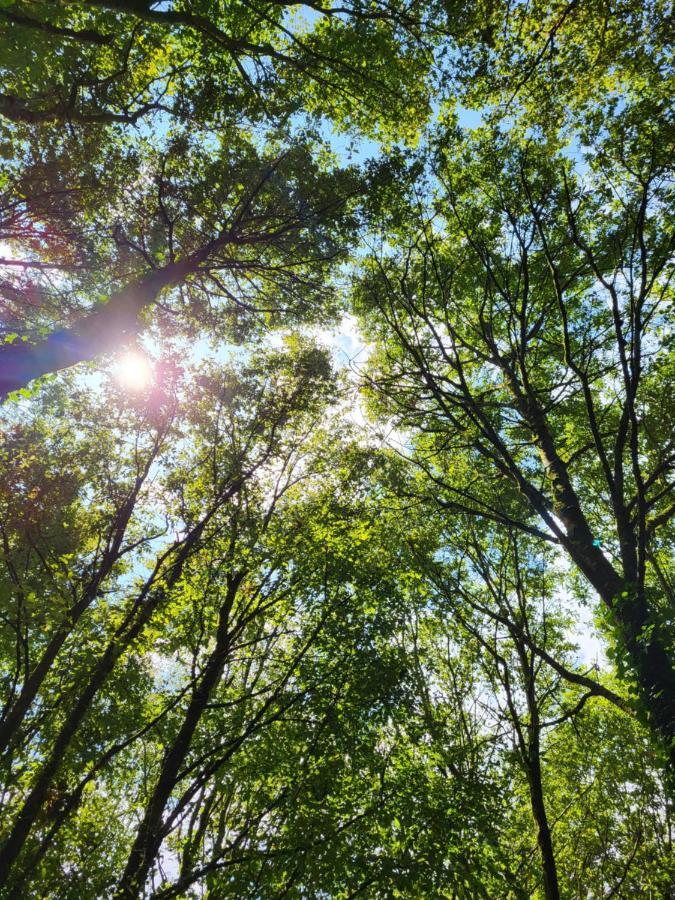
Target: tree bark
(35, 799)
(84, 35)
(20, 109)
(531, 753)
(101, 331)
(647, 650)
(544, 840)
(149, 836)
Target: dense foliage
(276, 626)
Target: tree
(255, 440)
(247, 240)
(494, 653)
(521, 340)
(140, 133)
(94, 63)
(270, 628)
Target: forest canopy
(337, 449)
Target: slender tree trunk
(36, 798)
(531, 753)
(544, 840)
(149, 836)
(14, 717)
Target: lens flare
(134, 371)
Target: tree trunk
(149, 836)
(101, 331)
(653, 666)
(139, 615)
(544, 840)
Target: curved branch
(17, 109)
(86, 35)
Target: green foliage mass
(276, 626)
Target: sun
(134, 371)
